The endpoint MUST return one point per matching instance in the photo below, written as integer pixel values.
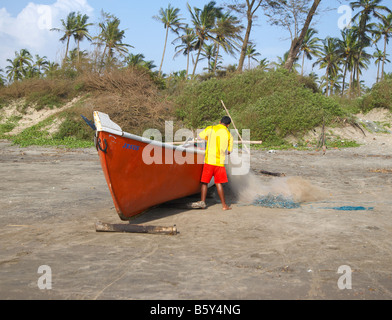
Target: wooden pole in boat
(227, 111)
(133, 228)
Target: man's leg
(204, 189)
(221, 194)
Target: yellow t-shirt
(219, 140)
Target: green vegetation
(379, 97)
(38, 135)
(274, 104)
(8, 126)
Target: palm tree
(368, 8)
(332, 83)
(31, 72)
(263, 64)
(112, 37)
(248, 10)
(81, 31)
(361, 60)
(251, 53)
(384, 29)
(2, 79)
(13, 71)
(75, 56)
(379, 57)
(208, 53)
(203, 22)
(329, 59)
(137, 60)
(134, 59)
(187, 45)
(309, 47)
(348, 47)
(227, 31)
(52, 68)
(171, 21)
(19, 66)
(68, 28)
(41, 63)
(282, 62)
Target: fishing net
(350, 208)
(275, 201)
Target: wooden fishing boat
(142, 173)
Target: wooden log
(275, 174)
(133, 228)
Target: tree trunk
(197, 60)
(297, 42)
(66, 50)
(303, 62)
(187, 64)
(385, 55)
(327, 79)
(358, 82)
(246, 41)
(378, 71)
(103, 57)
(78, 51)
(164, 50)
(344, 78)
(351, 82)
(216, 57)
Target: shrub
(272, 104)
(288, 112)
(379, 97)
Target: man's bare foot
(226, 208)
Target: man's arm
(204, 134)
(230, 145)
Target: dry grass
(130, 97)
(59, 87)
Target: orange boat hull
(135, 185)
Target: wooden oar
(227, 111)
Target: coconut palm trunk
(216, 57)
(327, 79)
(378, 72)
(385, 55)
(197, 60)
(164, 51)
(344, 78)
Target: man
(219, 143)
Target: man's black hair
(226, 120)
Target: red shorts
(209, 171)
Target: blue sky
(26, 24)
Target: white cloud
(30, 29)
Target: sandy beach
(51, 199)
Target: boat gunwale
(159, 143)
(115, 129)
